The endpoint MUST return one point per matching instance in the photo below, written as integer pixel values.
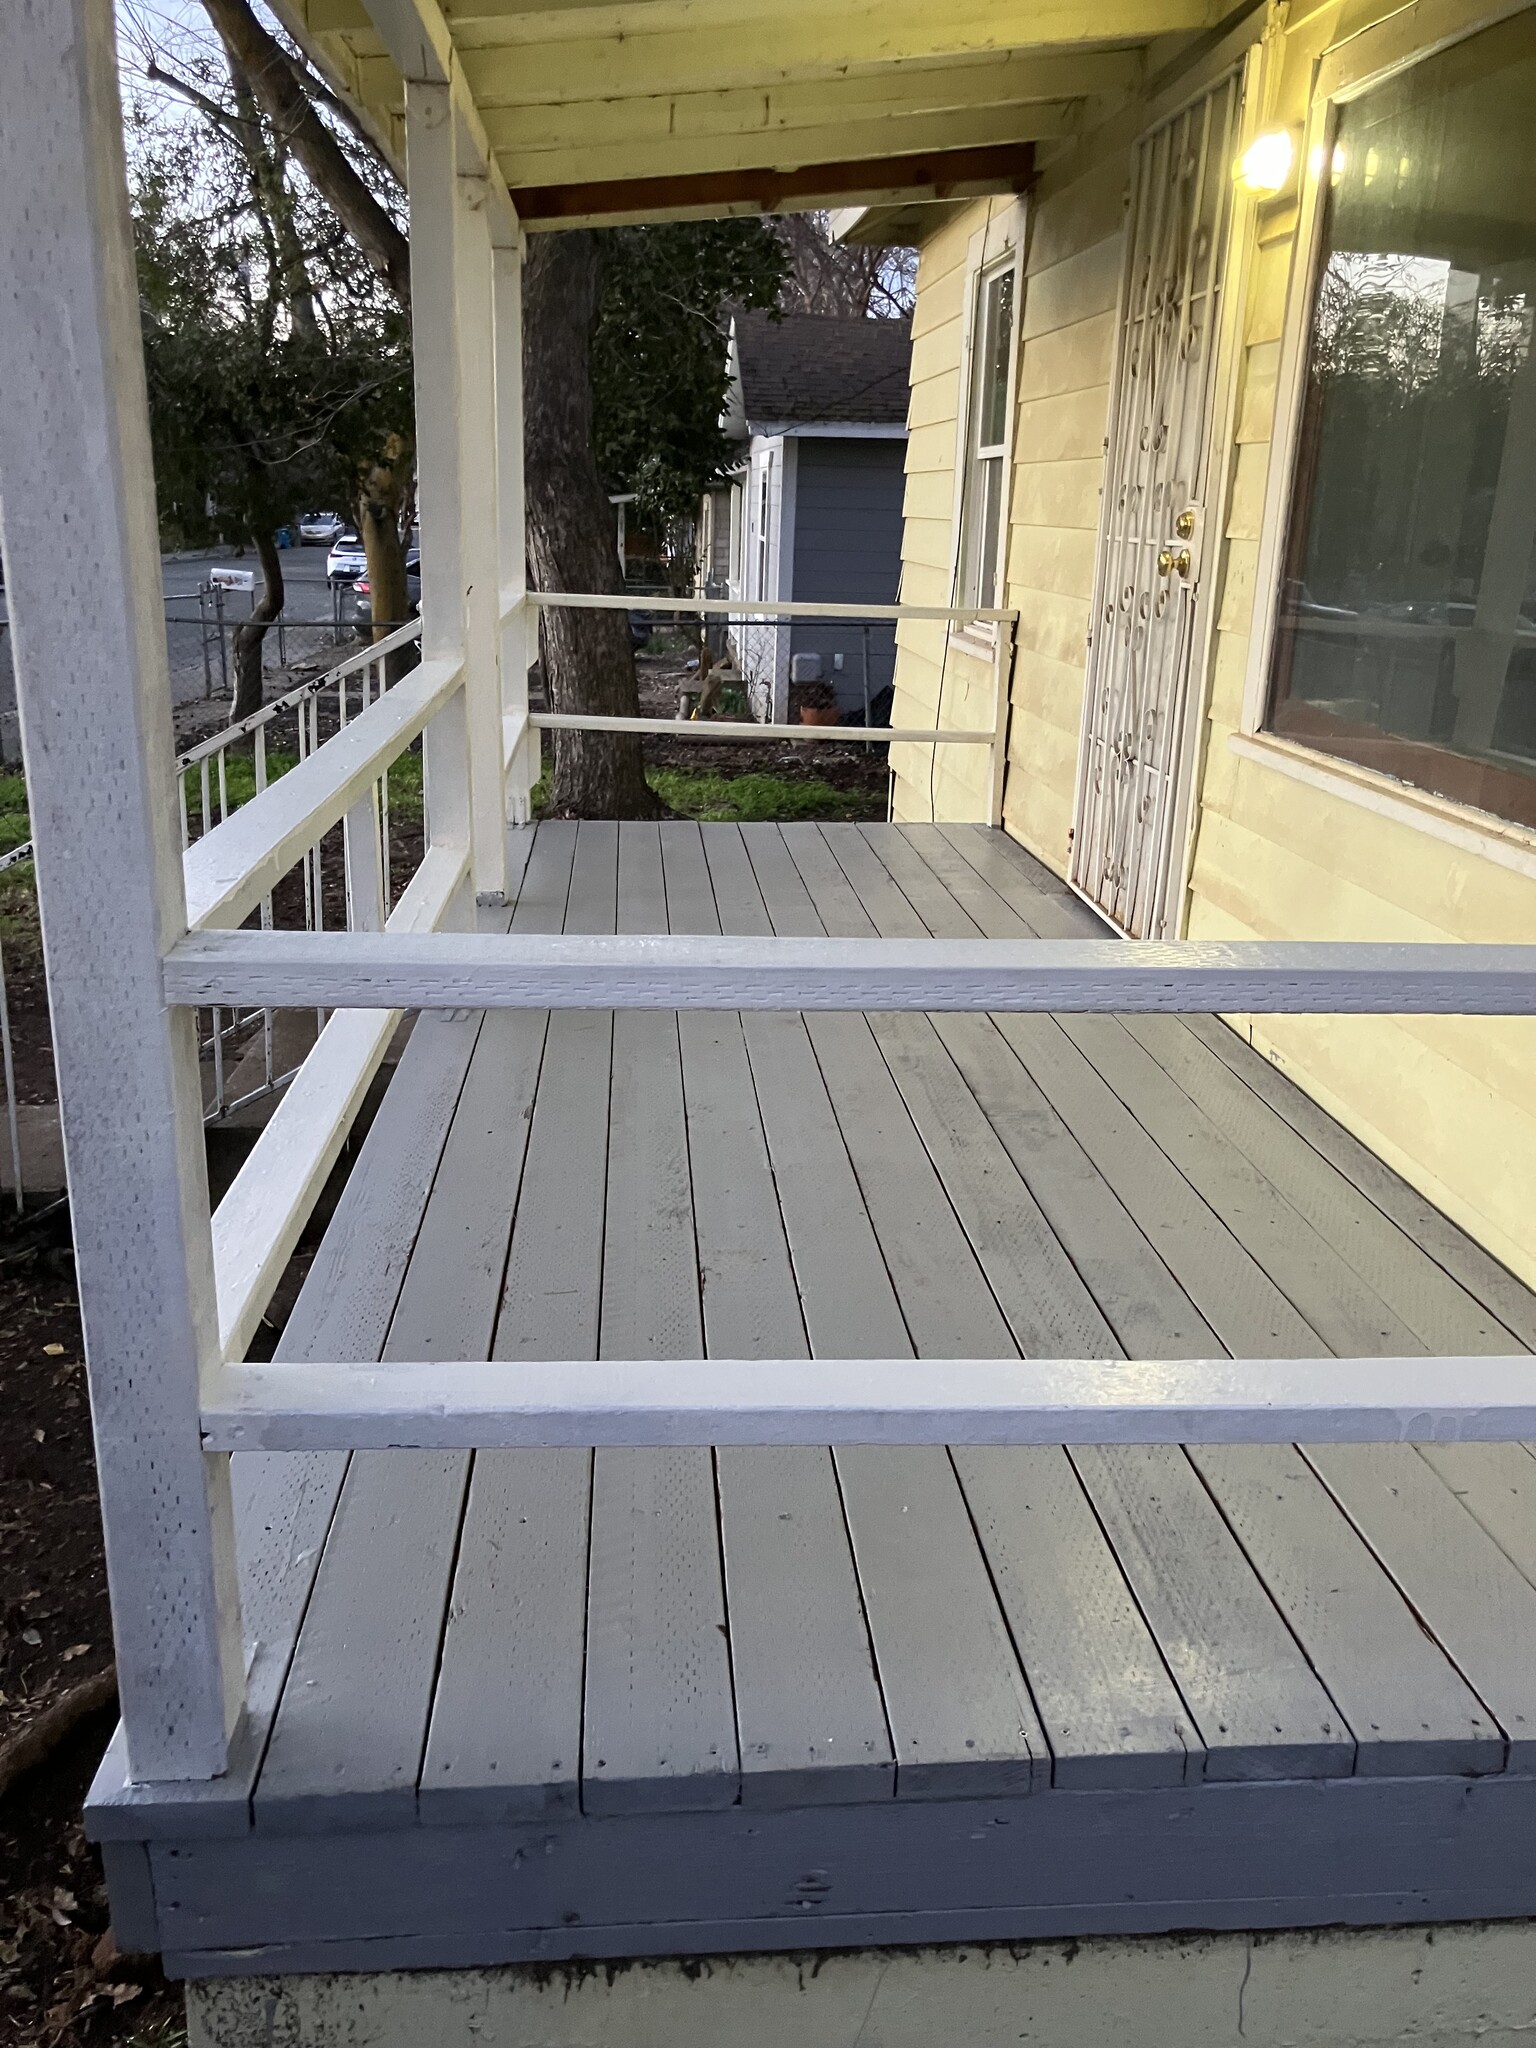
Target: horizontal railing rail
(367, 979)
(750, 608)
(482, 970)
(746, 729)
(231, 868)
(579, 1402)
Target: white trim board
(474, 1405)
(480, 970)
(1490, 838)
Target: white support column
(434, 213)
(519, 626)
(451, 296)
(96, 722)
(480, 549)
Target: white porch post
(451, 297)
(75, 474)
(518, 646)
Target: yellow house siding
(954, 784)
(1450, 1103)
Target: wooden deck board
(660, 1728)
(810, 1716)
(1409, 1709)
(1480, 1607)
(670, 1638)
(1110, 1710)
(1258, 1705)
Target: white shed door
(1147, 621)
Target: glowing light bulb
(1265, 166)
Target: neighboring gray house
(814, 512)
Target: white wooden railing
(369, 977)
(231, 870)
(136, 939)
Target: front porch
(513, 1704)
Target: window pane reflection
(1407, 628)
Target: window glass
(1407, 620)
(986, 440)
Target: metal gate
(1146, 626)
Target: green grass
(739, 799)
(20, 932)
(749, 799)
(405, 784)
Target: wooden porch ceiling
(662, 108)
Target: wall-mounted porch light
(1268, 164)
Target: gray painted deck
(544, 1703)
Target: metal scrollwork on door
(1157, 457)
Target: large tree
(649, 302)
(278, 355)
(625, 377)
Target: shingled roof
(811, 370)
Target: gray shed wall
(848, 517)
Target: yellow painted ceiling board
(799, 42)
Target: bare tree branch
(288, 107)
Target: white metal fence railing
(204, 777)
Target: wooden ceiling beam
(964, 82)
(784, 149)
(421, 49)
(938, 175)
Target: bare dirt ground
(62, 1982)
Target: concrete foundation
(1431, 1987)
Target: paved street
(306, 628)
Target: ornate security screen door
(1148, 618)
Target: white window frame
(762, 531)
(994, 247)
(1365, 61)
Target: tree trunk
(588, 658)
(382, 487)
(251, 632)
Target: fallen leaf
(53, 1351)
(39, 1435)
(30, 1635)
(106, 1951)
(74, 1650)
(123, 1993)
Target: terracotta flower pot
(814, 715)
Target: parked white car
(347, 560)
(319, 529)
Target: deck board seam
(988, 1568)
(1199, 1757)
(941, 1053)
(1263, 1583)
(1283, 1088)
(1384, 1564)
(1327, 1175)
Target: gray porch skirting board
(553, 1704)
(1358, 1852)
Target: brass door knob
(1168, 562)
(1184, 525)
